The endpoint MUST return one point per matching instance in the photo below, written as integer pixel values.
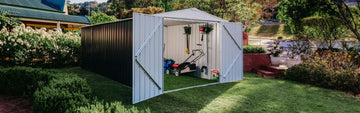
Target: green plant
(207, 28)
(329, 70)
(51, 91)
(99, 17)
(276, 49)
(66, 92)
(8, 22)
(251, 49)
(114, 107)
(23, 80)
(38, 47)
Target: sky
(78, 1)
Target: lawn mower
(177, 68)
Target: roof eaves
(57, 11)
(52, 20)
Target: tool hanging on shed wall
(187, 32)
(207, 28)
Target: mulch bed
(15, 104)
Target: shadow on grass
(249, 95)
(187, 101)
(273, 95)
(191, 100)
(268, 30)
(172, 82)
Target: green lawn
(254, 95)
(270, 31)
(175, 82)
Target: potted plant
(275, 51)
(207, 28)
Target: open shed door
(147, 57)
(231, 52)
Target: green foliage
(38, 47)
(251, 49)
(242, 11)
(114, 107)
(99, 17)
(128, 13)
(66, 92)
(276, 49)
(52, 92)
(329, 70)
(325, 29)
(207, 28)
(292, 11)
(23, 80)
(7, 21)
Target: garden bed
(15, 104)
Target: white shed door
(147, 57)
(231, 52)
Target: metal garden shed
(131, 51)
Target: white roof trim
(190, 14)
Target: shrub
(52, 92)
(115, 107)
(8, 22)
(23, 80)
(251, 49)
(38, 47)
(64, 93)
(326, 72)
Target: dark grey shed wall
(107, 49)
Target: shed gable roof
(191, 13)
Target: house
(351, 3)
(43, 13)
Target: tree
(233, 10)
(128, 13)
(116, 6)
(167, 5)
(348, 16)
(292, 11)
(324, 29)
(99, 17)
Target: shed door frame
(231, 55)
(148, 55)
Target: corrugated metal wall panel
(175, 45)
(107, 50)
(231, 52)
(148, 57)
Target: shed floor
(172, 82)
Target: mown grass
(175, 82)
(270, 31)
(254, 95)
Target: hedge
(55, 92)
(346, 79)
(251, 49)
(51, 92)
